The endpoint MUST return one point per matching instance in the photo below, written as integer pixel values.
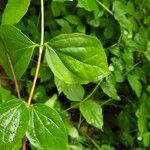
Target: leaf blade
(19, 47)
(76, 58)
(74, 92)
(14, 116)
(135, 84)
(93, 115)
(20, 8)
(52, 134)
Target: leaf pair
(73, 58)
(42, 125)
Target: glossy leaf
(14, 11)
(19, 47)
(73, 92)
(14, 117)
(46, 129)
(92, 112)
(76, 58)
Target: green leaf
(73, 92)
(128, 58)
(119, 67)
(142, 39)
(72, 131)
(73, 19)
(81, 28)
(142, 124)
(106, 147)
(76, 58)
(56, 8)
(5, 95)
(65, 26)
(146, 138)
(46, 129)
(59, 0)
(92, 112)
(14, 117)
(135, 84)
(40, 94)
(143, 110)
(76, 147)
(109, 88)
(19, 47)
(147, 53)
(120, 11)
(14, 11)
(89, 5)
(108, 32)
(52, 102)
(125, 118)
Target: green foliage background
(123, 97)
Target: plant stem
(109, 11)
(86, 98)
(94, 143)
(93, 91)
(37, 67)
(14, 76)
(106, 102)
(12, 70)
(40, 54)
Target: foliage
(93, 84)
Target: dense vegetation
(111, 113)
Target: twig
(86, 98)
(93, 91)
(106, 102)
